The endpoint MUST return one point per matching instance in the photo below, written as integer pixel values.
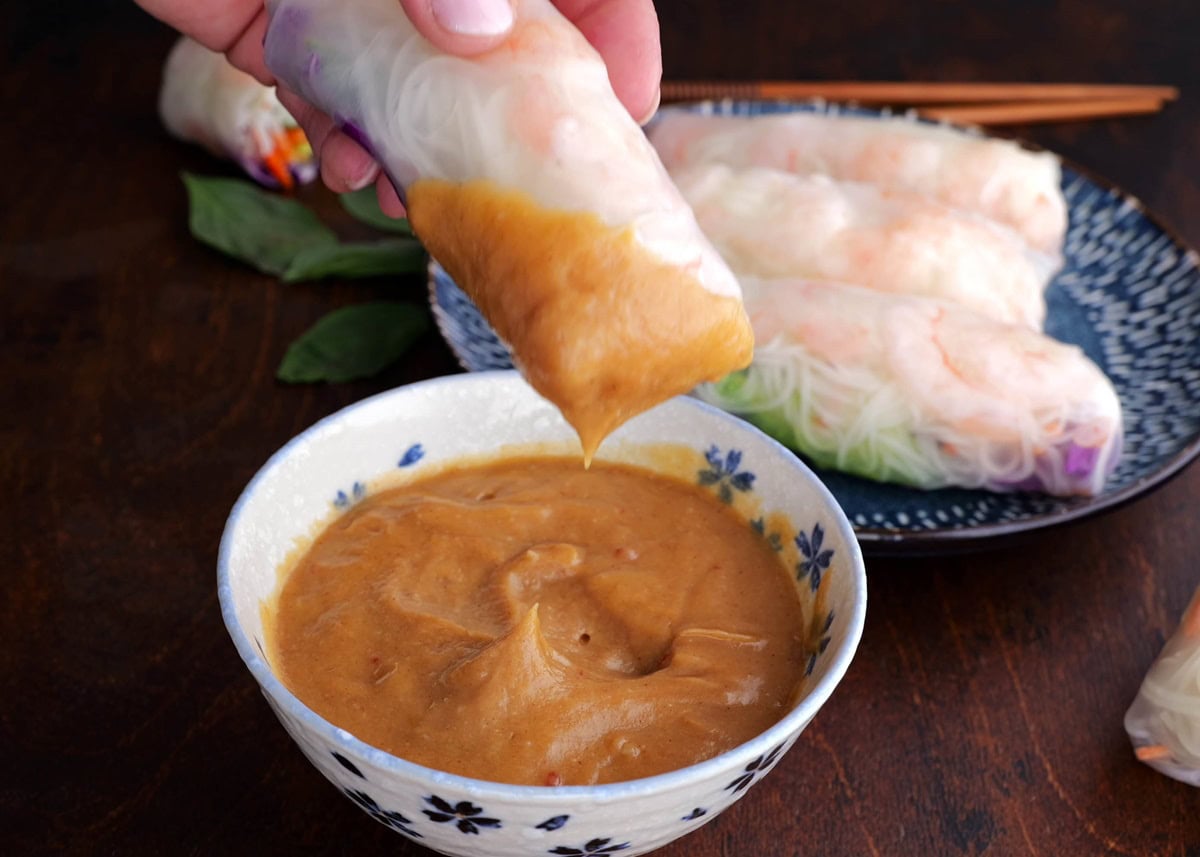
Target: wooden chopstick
(870, 92)
(1029, 112)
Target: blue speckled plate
(1128, 294)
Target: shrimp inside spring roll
(994, 178)
(770, 223)
(527, 179)
(923, 392)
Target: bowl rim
(346, 743)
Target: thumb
(462, 27)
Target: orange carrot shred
(283, 144)
(277, 166)
(1190, 627)
(1151, 752)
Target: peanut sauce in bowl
(493, 651)
(527, 621)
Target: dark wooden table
(982, 714)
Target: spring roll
(526, 178)
(1164, 720)
(770, 223)
(995, 178)
(922, 392)
(205, 100)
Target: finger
(345, 165)
(461, 27)
(389, 200)
(247, 52)
(317, 126)
(216, 24)
(625, 32)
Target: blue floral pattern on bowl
(592, 848)
(464, 815)
(411, 456)
(773, 538)
(389, 818)
(342, 500)
(819, 641)
(816, 560)
(755, 769)
(724, 473)
(347, 764)
(1128, 295)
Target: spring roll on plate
(770, 223)
(526, 178)
(995, 178)
(923, 392)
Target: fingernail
(653, 108)
(367, 178)
(474, 17)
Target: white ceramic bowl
(342, 458)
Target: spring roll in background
(994, 178)
(770, 223)
(205, 100)
(526, 178)
(922, 392)
(1164, 720)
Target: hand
(625, 32)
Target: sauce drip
(597, 324)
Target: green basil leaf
(261, 228)
(357, 259)
(353, 342)
(363, 205)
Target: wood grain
(982, 714)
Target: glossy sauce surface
(527, 621)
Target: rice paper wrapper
(536, 115)
(1164, 721)
(204, 100)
